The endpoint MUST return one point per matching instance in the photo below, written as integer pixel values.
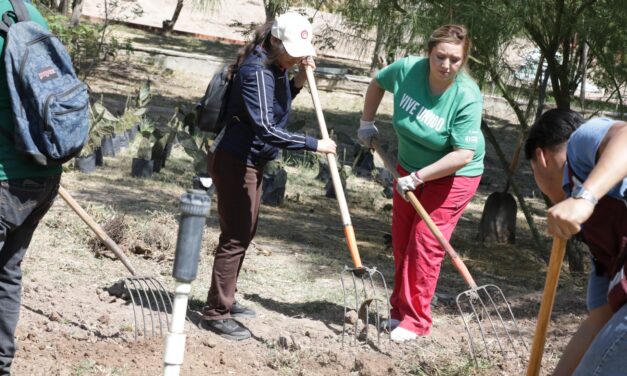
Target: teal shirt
(14, 164)
(429, 127)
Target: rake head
(151, 306)
(488, 319)
(366, 301)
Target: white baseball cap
(296, 33)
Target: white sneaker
(387, 325)
(401, 335)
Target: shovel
(145, 292)
(359, 278)
(486, 305)
(548, 298)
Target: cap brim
(300, 49)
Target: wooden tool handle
(335, 176)
(457, 261)
(546, 307)
(97, 229)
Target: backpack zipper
(64, 94)
(37, 40)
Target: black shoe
(227, 328)
(238, 310)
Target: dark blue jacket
(257, 112)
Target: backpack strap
(20, 10)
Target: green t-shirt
(14, 164)
(428, 126)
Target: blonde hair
(454, 34)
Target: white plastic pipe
(175, 339)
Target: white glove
(408, 183)
(367, 132)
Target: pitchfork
(145, 292)
(486, 305)
(360, 279)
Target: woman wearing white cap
(258, 107)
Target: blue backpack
(50, 104)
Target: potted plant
(143, 165)
(102, 123)
(165, 135)
(100, 127)
(134, 111)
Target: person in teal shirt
(27, 190)
(437, 118)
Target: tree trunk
(542, 95)
(378, 59)
(274, 7)
(168, 25)
(63, 6)
(77, 10)
(584, 71)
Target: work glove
(408, 183)
(367, 132)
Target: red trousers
(417, 253)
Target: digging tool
(484, 304)
(548, 298)
(359, 275)
(145, 292)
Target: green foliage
(135, 108)
(101, 126)
(195, 144)
(81, 41)
(146, 130)
(605, 33)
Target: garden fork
(486, 305)
(358, 283)
(147, 293)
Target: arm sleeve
(466, 129)
(258, 97)
(584, 144)
(386, 77)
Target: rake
(147, 293)
(484, 305)
(358, 282)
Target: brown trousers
(238, 187)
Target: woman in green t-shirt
(437, 118)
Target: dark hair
(455, 34)
(262, 36)
(551, 130)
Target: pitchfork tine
(136, 282)
(509, 337)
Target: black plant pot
(99, 158)
(142, 168)
(85, 164)
(106, 146)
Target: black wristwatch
(582, 193)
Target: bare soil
(71, 325)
